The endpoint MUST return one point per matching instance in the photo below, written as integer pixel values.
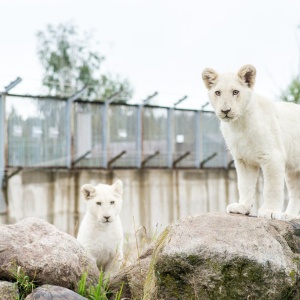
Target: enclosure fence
(49, 132)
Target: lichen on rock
(44, 253)
(221, 256)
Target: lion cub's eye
(112, 202)
(218, 93)
(99, 203)
(235, 92)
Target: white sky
(161, 45)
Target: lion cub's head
(103, 201)
(230, 93)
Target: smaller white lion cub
(101, 230)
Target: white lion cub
(101, 230)
(259, 134)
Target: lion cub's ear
(247, 73)
(87, 190)
(209, 77)
(118, 187)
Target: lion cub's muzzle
(226, 115)
(107, 219)
(226, 111)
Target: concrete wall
(153, 198)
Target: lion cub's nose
(107, 218)
(226, 111)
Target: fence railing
(118, 135)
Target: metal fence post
(69, 129)
(197, 139)
(170, 129)
(139, 135)
(104, 133)
(2, 151)
(3, 179)
(105, 127)
(201, 138)
(139, 130)
(170, 137)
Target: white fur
(103, 237)
(259, 134)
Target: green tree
(292, 92)
(70, 63)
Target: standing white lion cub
(259, 134)
(101, 230)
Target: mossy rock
(220, 256)
(180, 278)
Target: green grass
(100, 291)
(24, 283)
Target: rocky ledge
(45, 255)
(218, 256)
(206, 256)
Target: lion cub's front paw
(269, 214)
(238, 208)
(286, 217)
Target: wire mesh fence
(36, 132)
(129, 136)
(122, 135)
(87, 139)
(213, 149)
(155, 136)
(185, 138)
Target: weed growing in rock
(100, 291)
(23, 282)
(82, 285)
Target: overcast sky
(161, 45)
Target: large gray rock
(218, 256)
(8, 291)
(132, 278)
(44, 253)
(50, 292)
(221, 256)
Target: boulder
(50, 292)
(222, 256)
(132, 278)
(44, 253)
(218, 256)
(8, 291)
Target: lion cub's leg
(114, 264)
(273, 172)
(247, 178)
(293, 185)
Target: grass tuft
(100, 291)
(24, 283)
